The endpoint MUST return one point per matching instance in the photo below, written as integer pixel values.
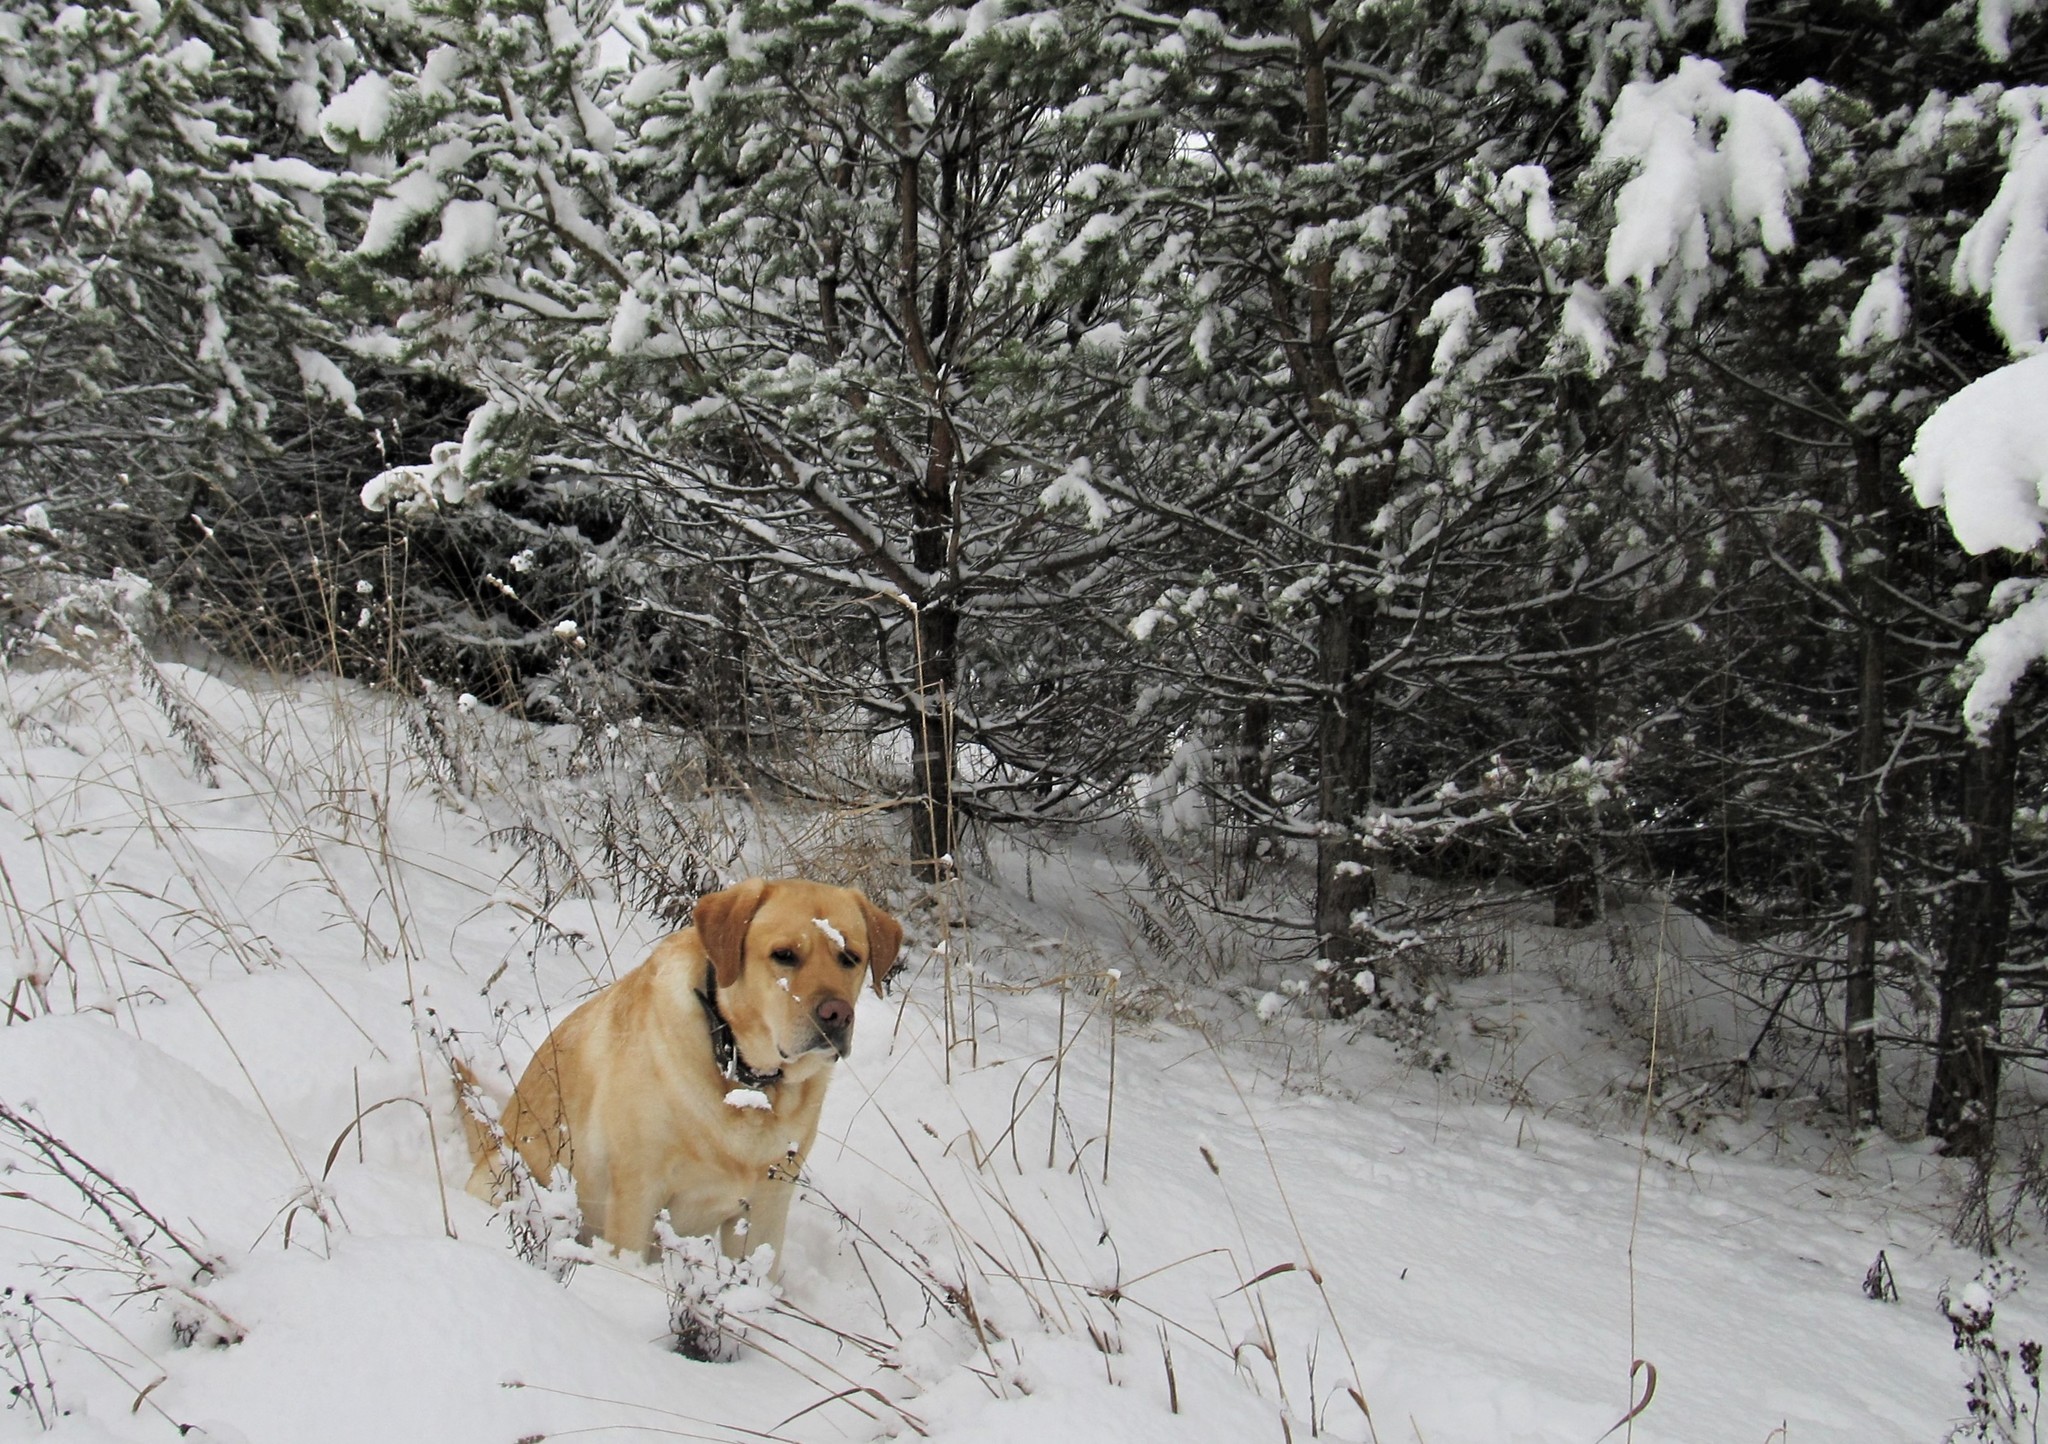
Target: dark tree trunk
(728, 725)
(934, 509)
(1859, 1001)
(1575, 901)
(1344, 713)
(933, 814)
(1251, 760)
(1575, 897)
(1344, 718)
(1963, 1108)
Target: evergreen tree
(167, 367)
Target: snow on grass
(219, 994)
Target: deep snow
(220, 977)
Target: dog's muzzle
(834, 1020)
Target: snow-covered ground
(237, 906)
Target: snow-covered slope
(236, 909)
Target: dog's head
(788, 958)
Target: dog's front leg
(629, 1208)
(766, 1221)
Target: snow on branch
(2004, 257)
(1983, 457)
(358, 117)
(1713, 168)
(1073, 488)
(1994, 25)
(2008, 647)
(1880, 315)
(446, 478)
(469, 231)
(326, 380)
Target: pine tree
(789, 282)
(163, 345)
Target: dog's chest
(761, 1133)
(758, 1153)
(753, 1139)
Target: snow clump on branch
(1713, 167)
(2004, 257)
(1983, 457)
(452, 471)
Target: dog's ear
(722, 918)
(885, 941)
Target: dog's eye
(785, 956)
(848, 960)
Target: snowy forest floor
(232, 901)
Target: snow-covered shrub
(24, 1363)
(711, 1297)
(623, 808)
(82, 617)
(543, 1220)
(1544, 827)
(1175, 798)
(1410, 968)
(117, 618)
(184, 389)
(164, 1263)
(435, 726)
(1172, 911)
(2004, 1408)
(1394, 994)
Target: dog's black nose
(835, 1015)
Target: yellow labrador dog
(694, 1083)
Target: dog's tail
(479, 1116)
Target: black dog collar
(725, 1048)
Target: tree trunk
(1575, 900)
(933, 816)
(1344, 718)
(1859, 1000)
(934, 520)
(1859, 1003)
(729, 733)
(1251, 758)
(1575, 895)
(1344, 712)
(1963, 1108)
